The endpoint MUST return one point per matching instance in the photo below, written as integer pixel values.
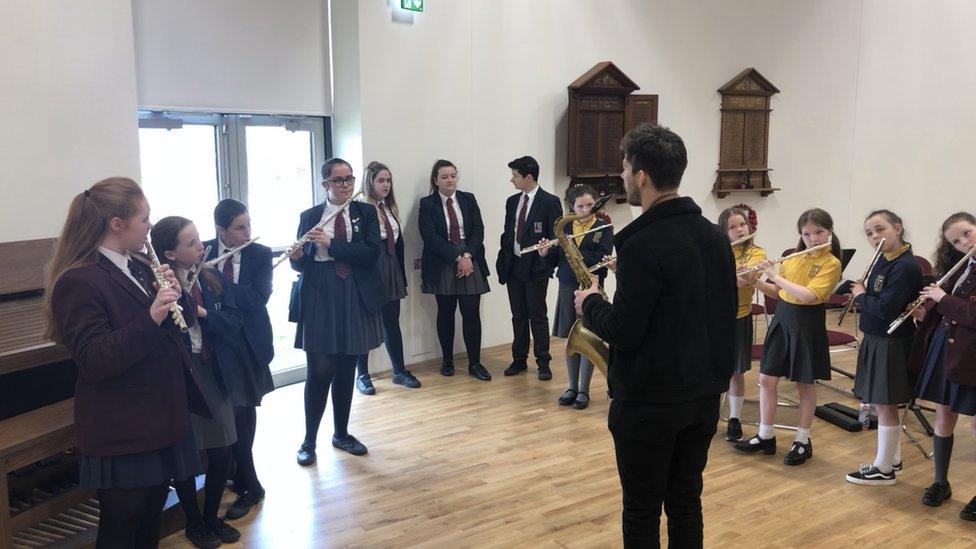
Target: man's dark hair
(526, 166)
(226, 211)
(659, 152)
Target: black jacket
(671, 324)
(252, 292)
(360, 253)
(891, 286)
(438, 250)
(593, 248)
(539, 221)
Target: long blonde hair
(88, 220)
(372, 171)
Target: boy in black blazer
(529, 217)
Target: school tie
(455, 229)
(137, 274)
(388, 227)
(342, 269)
(521, 219)
(206, 351)
(228, 268)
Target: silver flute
(175, 309)
(308, 235)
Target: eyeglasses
(344, 181)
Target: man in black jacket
(670, 330)
(529, 217)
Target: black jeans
(527, 299)
(393, 339)
(661, 453)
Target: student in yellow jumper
(796, 343)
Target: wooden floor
(465, 463)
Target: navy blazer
(361, 253)
(438, 250)
(539, 222)
(238, 371)
(594, 247)
(136, 383)
(890, 287)
(252, 292)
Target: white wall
(481, 83)
(916, 118)
(233, 55)
(68, 102)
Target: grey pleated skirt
(935, 386)
(335, 321)
(743, 344)
(220, 430)
(565, 315)
(796, 344)
(449, 284)
(144, 469)
(392, 276)
(882, 375)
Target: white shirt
(447, 217)
(236, 258)
(122, 262)
(393, 223)
(966, 274)
(321, 252)
(195, 333)
(522, 204)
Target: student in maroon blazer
(135, 383)
(945, 349)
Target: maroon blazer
(957, 312)
(136, 382)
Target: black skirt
(796, 344)
(334, 319)
(220, 430)
(173, 463)
(449, 284)
(935, 386)
(743, 344)
(882, 375)
(565, 315)
(391, 276)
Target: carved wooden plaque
(743, 164)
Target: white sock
(887, 442)
(735, 405)
(802, 435)
(766, 432)
(897, 458)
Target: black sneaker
(734, 431)
(937, 493)
(568, 398)
(969, 511)
(756, 444)
(349, 444)
(306, 454)
(516, 368)
(244, 503)
(869, 475)
(407, 380)
(202, 536)
(897, 468)
(364, 384)
(224, 531)
(545, 373)
(799, 453)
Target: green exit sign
(412, 5)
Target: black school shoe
(447, 368)
(799, 453)
(407, 380)
(869, 475)
(306, 454)
(734, 430)
(202, 537)
(969, 511)
(568, 398)
(224, 531)
(244, 503)
(516, 368)
(364, 384)
(936, 494)
(545, 373)
(764, 445)
(349, 444)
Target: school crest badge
(879, 283)
(597, 236)
(814, 270)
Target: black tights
(470, 325)
(246, 420)
(130, 517)
(218, 469)
(325, 370)
(394, 340)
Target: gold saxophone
(581, 340)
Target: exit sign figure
(412, 5)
